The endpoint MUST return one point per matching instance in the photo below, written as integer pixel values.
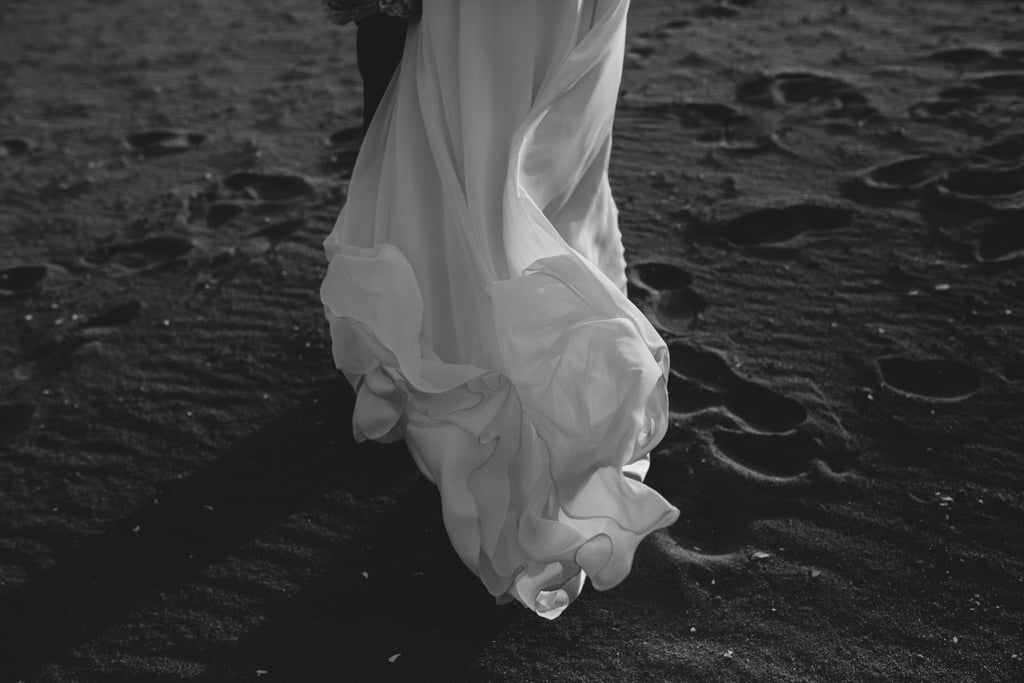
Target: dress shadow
(283, 469)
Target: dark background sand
(180, 497)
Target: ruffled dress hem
(539, 466)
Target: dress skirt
(475, 295)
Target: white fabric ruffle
(474, 295)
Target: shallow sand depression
(823, 210)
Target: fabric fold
(474, 293)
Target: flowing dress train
(475, 295)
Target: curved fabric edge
(558, 143)
(538, 465)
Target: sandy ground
(822, 207)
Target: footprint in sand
(1002, 240)
(667, 290)
(974, 93)
(898, 179)
(930, 379)
(142, 255)
(998, 187)
(934, 110)
(978, 57)
(701, 380)
(993, 175)
(798, 88)
(60, 350)
(979, 87)
(223, 267)
(777, 456)
(15, 147)
(344, 149)
(267, 238)
(954, 101)
(1008, 151)
(222, 213)
(160, 142)
(777, 225)
(270, 188)
(208, 206)
(999, 83)
(723, 126)
(714, 124)
(20, 279)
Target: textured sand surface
(823, 209)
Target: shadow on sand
(338, 625)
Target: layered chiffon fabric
(475, 295)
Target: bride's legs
(379, 43)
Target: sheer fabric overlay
(475, 295)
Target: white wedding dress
(475, 295)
